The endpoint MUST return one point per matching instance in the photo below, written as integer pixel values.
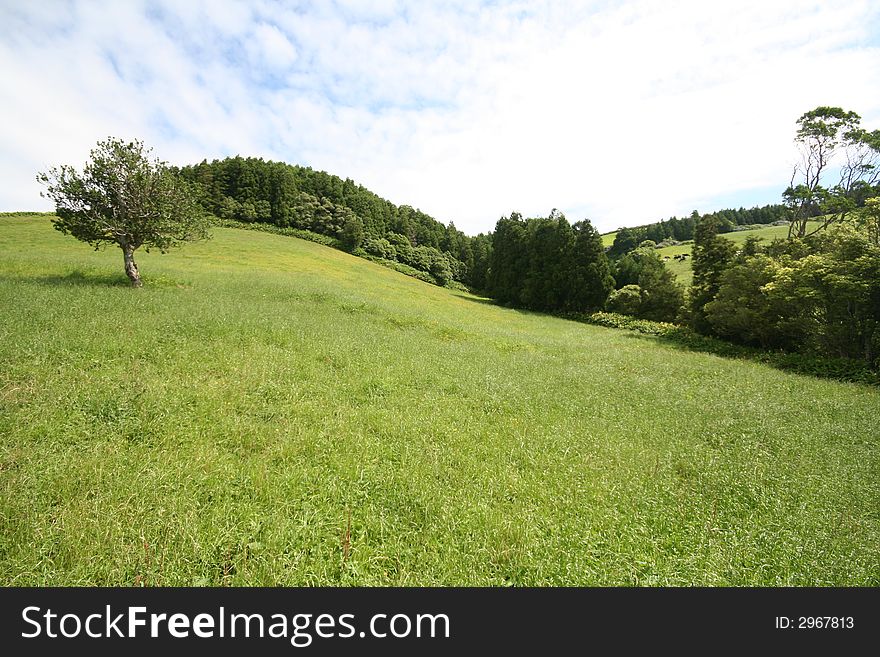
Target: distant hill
(682, 228)
(682, 267)
(254, 190)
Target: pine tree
(591, 281)
(711, 256)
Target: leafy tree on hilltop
(122, 197)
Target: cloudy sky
(623, 112)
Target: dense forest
(252, 190)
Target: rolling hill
(269, 411)
(682, 268)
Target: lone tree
(124, 197)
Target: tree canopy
(827, 136)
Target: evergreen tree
(591, 281)
(550, 244)
(662, 295)
(508, 260)
(625, 241)
(482, 254)
(711, 256)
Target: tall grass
(221, 426)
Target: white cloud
(270, 48)
(624, 112)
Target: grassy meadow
(269, 411)
(608, 238)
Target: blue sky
(623, 112)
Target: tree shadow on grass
(820, 367)
(683, 339)
(76, 278)
(92, 278)
(485, 301)
(474, 299)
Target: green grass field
(223, 425)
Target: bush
(381, 248)
(616, 320)
(745, 311)
(661, 297)
(626, 301)
(352, 234)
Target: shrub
(626, 301)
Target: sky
(620, 112)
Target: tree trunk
(131, 269)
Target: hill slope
(220, 425)
(682, 268)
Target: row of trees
(682, 229)
(547, 264)
(812, 292)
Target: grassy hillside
(682, 269)
(222, 425)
